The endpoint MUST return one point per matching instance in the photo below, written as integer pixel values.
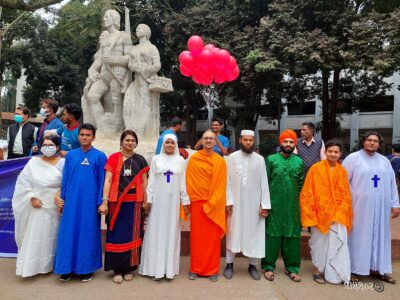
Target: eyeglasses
(208, 138)
(372, 141)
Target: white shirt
(18, 149)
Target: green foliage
(268, 144)
(314, 40)
(60, 67)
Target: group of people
(260, 205)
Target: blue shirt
(224, 141)
(160, 139)
(395, 162)
(69, 137)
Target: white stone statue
(141, 109)
(111, 100)
(108, 78)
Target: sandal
(270, 277)
(293, 276)
(318, 278)
(354, 278)
(117, 278)
(128, 277)
(385, 277)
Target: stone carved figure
(141, 108)
(108, 77)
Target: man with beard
(375, 200)
(248, 193)
(283, 228)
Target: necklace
(85, 162)
(127, 170)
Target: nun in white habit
(166, 191)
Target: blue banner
(9, 170)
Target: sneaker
(192, 276)
(213, 278)
(86, 277)
(253, 272)
(228, 272)
(65, 277)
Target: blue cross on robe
(375, 179)
(168, 174)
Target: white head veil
(170, 162)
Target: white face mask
(48, 150)
(44, 112)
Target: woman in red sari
(124, 186)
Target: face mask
(48, 150)
(18, 119)
(44, 112)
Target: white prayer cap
(247, 132)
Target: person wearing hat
(283, 227)
(248, 203)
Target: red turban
(288, 134)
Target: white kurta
(162, 238)
(374, 193)
(247, 191)
(36, 228)
(330, 253)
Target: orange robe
(326, 198)
(206, 187)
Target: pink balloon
(207, 78)
(182, 54)
(195, 45)
(222, 58)
(197, 75)
(235, 74)
(205, 57)
(231, 66)
(209, 47)
(187, 60)
(184, 71)
(220, 78)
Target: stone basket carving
(161, 85)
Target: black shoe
(228, 272)
(86, 277)
(65, 277)
(253, 272)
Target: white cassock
(247, 191)
(162, 238)
(373, 188)
(36, 229)
(330, 253)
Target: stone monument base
(110, 144)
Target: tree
(27, 5)
(66, 52)
(20, 28)
(228, 24)
(328, 48)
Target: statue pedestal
(109, 144)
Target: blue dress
(79, 237)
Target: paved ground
(240, 287)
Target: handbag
(161, 85)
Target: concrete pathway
(241, 286)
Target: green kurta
(285, 178)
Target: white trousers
(330, 253)
(230, 256)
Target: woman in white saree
(35, 211)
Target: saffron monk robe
(206, 186)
